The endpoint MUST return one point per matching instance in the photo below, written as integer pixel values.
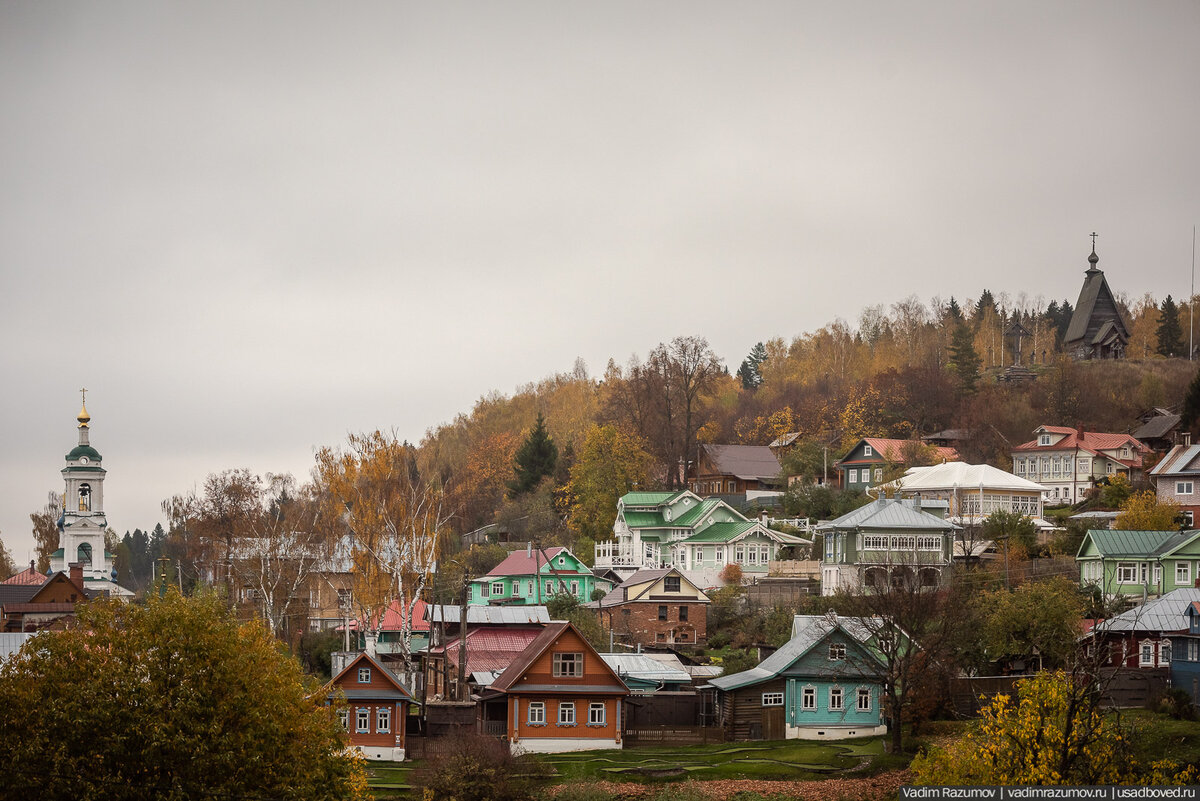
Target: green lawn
(787, 759)
(784, 759)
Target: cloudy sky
(251, 228)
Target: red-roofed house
(559, 695)
(489, 653)
(533, 576)
(29, 576)
(870, 457)
(1069, 462)
(376, 708)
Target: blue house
(1185, 654)
(824, 684)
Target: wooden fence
(1124, 688)
(674, 735)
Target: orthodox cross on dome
(1093, 240)
(84, 418)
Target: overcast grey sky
(250, 228)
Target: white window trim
(867, 451)
(1183, 574)
(840, 694)
(863, 692)
(362, 720)
(497, 588)
(535, 715)
(566, 713)
(772, 699)
(808, 698)
(364, 675)
(1184, 487)
(383, 720)
(1142, 660)
(1127, 572)
(593, 718)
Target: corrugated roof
(11, 642)
(29, 576)
(480, 615)
(888, 513)
(1118, 543)
(490, 649)
(721, 532)
(807, 631)
(1168, 613)
(644, 520)
(640, 666)
(744, 461)
(953, 475)
(1180, 460)
(1092, 442)
(646, 498)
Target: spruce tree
(964, 361)
(954, 311)
(1190, 415)
(1170, 333)
(534, 460)
(750, 372)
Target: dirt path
(883, 785)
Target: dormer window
(867, 451)
(1044, 439)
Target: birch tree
(395, 518)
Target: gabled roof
(952, 475)
(645, 579)
(490, 649)
(1181, 460)
(29, 575)
(520, 563)
(889, 513)
(1124, 543)
(393, 616)
(400, 691)
(743, 461)
(1168, 613)
(783, 440)
(807, 632)
(892, 450)
(543, 643)
(1092, 442)
(730, 532)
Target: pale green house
(533, 576)
(657, 530)
(1139, 563)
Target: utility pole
(462, 695)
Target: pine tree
(964, 361)
(750, 372)
(534, 460)
(954, 311)
(1170, 332)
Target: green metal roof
(721, 532)
(647, 498)
(693, 515)
(644, 520)
(84, 450)
(1136, 543)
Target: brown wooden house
(734, 470)
(558, 696)
(30, 607)
(376, 708)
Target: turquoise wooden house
(826, 683)
(533, 576)
(1139, 563)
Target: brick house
(376, 708)
(655, 607)
(558, 696)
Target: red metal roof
(520, 563)
(27, 576)
(491, 649)
(892, 451)
(393, 616)
(1092, 442)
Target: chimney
(529, 550)
(1186, 435)
(76, 574)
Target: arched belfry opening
(85, 498)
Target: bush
(479, 768)
(1177, 703)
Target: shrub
(478, 768)
(1177, 703)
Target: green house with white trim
(533, 576)
(1139, 563)
(699, 536)
(825, 683)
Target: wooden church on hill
(1096, 330)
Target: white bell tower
(81, 527)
